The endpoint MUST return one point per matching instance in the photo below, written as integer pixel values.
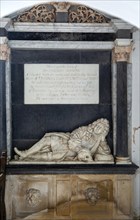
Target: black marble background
(31, 122)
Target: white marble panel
(8, 107)
(3, 40)
(62, 27)
(5, 22)
(20, 44)
(61, 83)
(114, 103)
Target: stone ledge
(71, 169)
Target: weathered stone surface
(106, 197)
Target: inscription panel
(61, 83)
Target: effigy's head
(100, 127)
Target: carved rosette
(48, 13)
(121, 53)
(4, 51)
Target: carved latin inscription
(61, 83)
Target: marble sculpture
(85, 144)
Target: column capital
(4, 48)
(122, 50)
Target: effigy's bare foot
(22, 154)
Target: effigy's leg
(45, 141)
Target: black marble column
(121, 57)
(122, 130)
(2, 107)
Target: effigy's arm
(95, 146)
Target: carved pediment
(61, 11)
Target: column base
(123, 160)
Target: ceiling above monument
(63, 12)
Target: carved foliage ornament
(48, 13)
(61, 6)
(4, 51)
(86, 15)
(121, 53)
(40, 13)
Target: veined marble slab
(58, 162)
(61, 27)
(61, 83)
(21, 44)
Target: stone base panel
(69, 197)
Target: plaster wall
(136, 119)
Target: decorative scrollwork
(40, 13)
(92, 195)
(86, 15)
(48, 13)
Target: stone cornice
(5, 23)
(102, 45)
(62, 27)
(119, 24)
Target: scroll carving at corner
(4, 51)
(92, 195)
(121, 53)
(40, 13)
(33, 197)
(86, 15)
(48, 13)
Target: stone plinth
(102, 197)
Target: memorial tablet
(61, 83)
